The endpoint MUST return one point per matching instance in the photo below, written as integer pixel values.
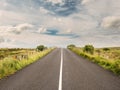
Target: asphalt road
(76, 73)
(81, 74)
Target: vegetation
(71, 46)
(108, 58)
(10, 64)
(6, 52)
(41, 47)
(106, 49)
(89, 49)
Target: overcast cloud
(28, 23)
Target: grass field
(13, 60)
(7, 52)
(108, 59)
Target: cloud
(5, 40)
(43, 10)
(12, 29)
(25, 26)
(61, 7)
(60, 21)
(18, 29)
(2, 40)
(101, 8)
(55, 1)
(69, 31)
(111, 22)
(85, 1)
(41, 30)
(8, 45)
(55, 32)
(11, 17)
(51, 32)
(4, 4)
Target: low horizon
(59, 46)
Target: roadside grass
(9, 65)
(109, 64)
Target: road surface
(62, 70)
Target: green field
(12, 60)
(108, 58)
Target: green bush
(89, 49)
(71, 46)
(41, 47)
(106, 49)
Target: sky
(28, 23)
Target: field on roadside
(15, 53)
(110, 53)
(12, 60)
(108, 58)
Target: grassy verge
(112, 65)
(9, 66)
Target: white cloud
(55, 1)
(43, 10)
(3, 4)
(3, 39)
(41, 30)
(85, 2)
(10, 17)
(69, 31)
(8, 45)
(111, 22)
(58, 19)
(15, 29)
(86, 23)
(24, 26)
(101, 8)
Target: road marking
(61, 68)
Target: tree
(71, 46)
(41, 47)
(106, 49)
(89, 49)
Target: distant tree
(40, 47)
(106, 49)
(71, 46)
(89, 49)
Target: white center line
(61, 68)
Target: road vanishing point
(62, 70)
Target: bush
(41, 47)
(71, 46)
(106, 49)
(89, 49)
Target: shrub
(106, 49)
(89, 49)
(71, 46)
(40, 47)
